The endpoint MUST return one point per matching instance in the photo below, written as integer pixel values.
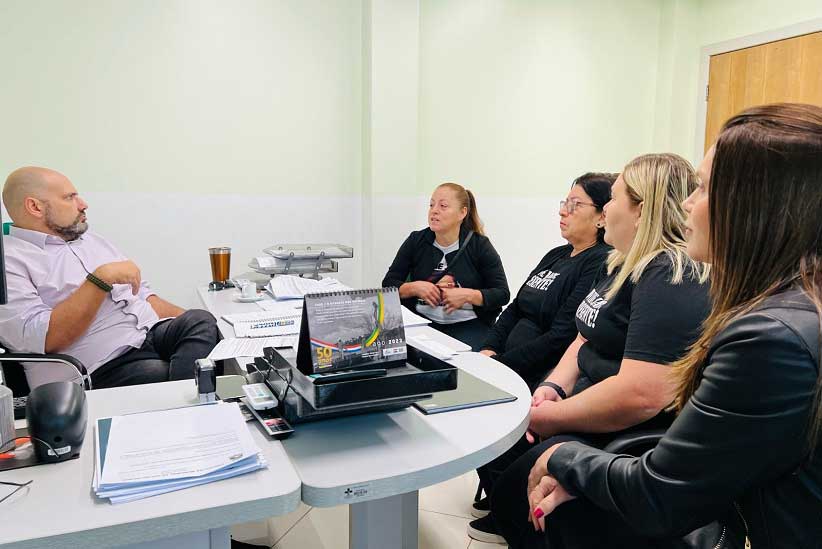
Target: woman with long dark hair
(743, 450)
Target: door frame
(791, 31)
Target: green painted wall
(193, 96)
(700, 23)
(509, 97)
(519, 98)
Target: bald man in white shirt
(70, 291)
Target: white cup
(248, 290)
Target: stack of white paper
(444, 349)
(410, 318)
(284, 308)
(143, 455)
(234, 347)
(264, 324)
(295, 287)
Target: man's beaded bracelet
(99, 282)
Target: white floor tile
(279, 526)
(328, 529)
(452, 497)
(255, 533)
(269, 531)
(439, 531)
(319, 529)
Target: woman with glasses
(533, 332)
(536, 328)
(450, 272)
(745, 448)
(614, 378)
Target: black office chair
(15, 376)
(635, 443)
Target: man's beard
(67, 232)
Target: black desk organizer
(420, 376)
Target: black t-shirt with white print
(652, 320)
(533, 332)
(539, 291)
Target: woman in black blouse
(642, 316)
(533, 332)
(450, 272)
(535, 329)
(744, 450)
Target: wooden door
(783, 71)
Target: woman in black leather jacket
(745, 447)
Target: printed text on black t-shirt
(588, 310)
(542, 280)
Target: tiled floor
(444, 516)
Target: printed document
(295, 287)
(249, 346)
(282, 308)
(176, 444)
(410, 318)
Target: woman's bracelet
(560, 391)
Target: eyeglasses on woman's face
(571, 205)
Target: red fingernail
(538, 513)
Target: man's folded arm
(71, 318)
(163, 308)
(27, 324)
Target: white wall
(180, 119)
(173, 256)
(191, 122)
(390, 130)
(519, 98)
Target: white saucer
(252, 299)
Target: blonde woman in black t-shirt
(642, 316)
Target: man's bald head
(22, 183)
(44, 200)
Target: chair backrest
(15, 377)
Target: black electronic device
(57, 414)
(272, 422)
(205, 378)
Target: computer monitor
(3, 296)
